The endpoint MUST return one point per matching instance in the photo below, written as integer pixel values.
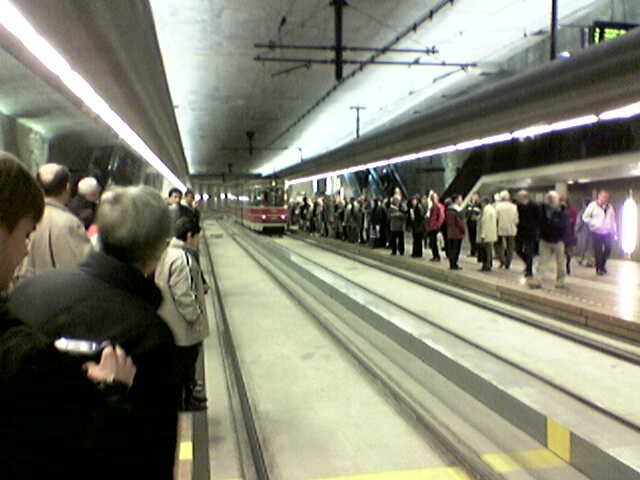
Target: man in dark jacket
(530, 217)
(455, 231)
(473, 211)
(85, 203)
(555, 233)
(397, 219)
(417, 224)
(56, 422)
(112, 297)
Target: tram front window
(274, 197)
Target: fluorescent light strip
(619, 113)
(19, 26)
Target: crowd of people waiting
(497, 228)
(102, 316)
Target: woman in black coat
(417, 225)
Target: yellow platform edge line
(186, 451)
(559, 439)
(523, 460)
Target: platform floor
(610, 302)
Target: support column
(554, 29)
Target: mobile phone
(74, 346)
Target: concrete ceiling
(182, 72)
(220, 92)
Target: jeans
(397, 242)
(602, 249)
(455, 244)
(552, 252)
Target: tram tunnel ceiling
(238, 115)
(183, 74)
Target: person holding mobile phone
(112, 296)
(54, 400)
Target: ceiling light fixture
(19, 26)
(574, 122)
(621, 113)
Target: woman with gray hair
(112, 297)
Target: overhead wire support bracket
(277, 46)
(331, 61)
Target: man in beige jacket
(60, 241)
(507, 215)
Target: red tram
(260, 205)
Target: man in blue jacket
(555, 232)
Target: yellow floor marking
(435, 473)
(559, 439)
(186, 451)
(525, 460)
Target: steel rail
(446, 440)
(487, 304)
(259, 465)
(628, 423)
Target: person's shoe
(435, 259)
(199, 397)
(561, 285)
(599, 273)
(456, 267)
(193, 406)
(532, 283)
(483, 269)
(604, 270)
(393, 253)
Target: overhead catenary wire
(428, 16)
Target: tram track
(602, 347)
(437, 434)
(622, 349)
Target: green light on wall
(603, 31)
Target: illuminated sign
(629, 226)
(603, 31)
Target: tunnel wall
(26, 143)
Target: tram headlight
(283, 217)
(264, 217)
(629, 226)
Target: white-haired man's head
(553, 198)
(134, 225)
(505, 196)
(90, 189)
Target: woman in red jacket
(455, 231)
(434, 223)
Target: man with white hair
(507, 214)
(555, 233)
(112, 296)
(60, 240)
(85, 203)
